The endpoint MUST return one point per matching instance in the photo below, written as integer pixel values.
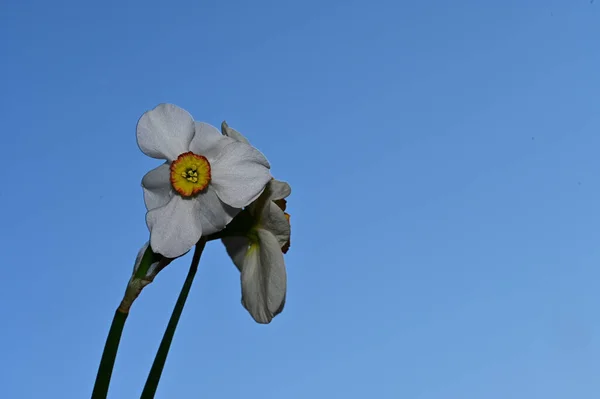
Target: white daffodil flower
(258, 251)
(206, 179)
(137, 283)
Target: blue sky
(444, 163)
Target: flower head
(257, 247)
(258, 253)
(205, 181)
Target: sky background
(444, 163)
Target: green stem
(108, 356)
(163, 350)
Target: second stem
(163, 350)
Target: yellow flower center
(190, 174)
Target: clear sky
(444, 162)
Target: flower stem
(163, 350)
(108, 356)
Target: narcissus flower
(258, 253)
(256, 242)
(206, 179)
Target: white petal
(208, 141)
(236, 248)
(165, 132)
(234, 134)
(175, 227)
(213, 213)
(273, 219)
(239, 174)
(264, 279)
(157, 187)
(278, 190)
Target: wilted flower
(258, 253)
(256, 245)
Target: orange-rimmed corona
(190, 174)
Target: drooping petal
(165, 132)
(273, 219)
(213, 213)
(236, 249)
(157, 187)
(234, 134)
(208, 141)
(174, 227)
(239, 174)
(264, 279)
